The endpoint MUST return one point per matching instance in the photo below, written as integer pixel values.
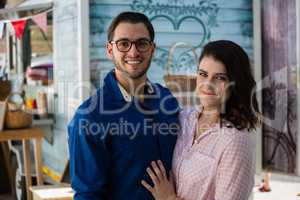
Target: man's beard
(129, 75)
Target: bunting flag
(41, 21)
(10, 28)
(1, 29)
(19, 26)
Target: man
(128, 123)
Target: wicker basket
(16, 116)
(179, 83)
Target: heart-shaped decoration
(171, 22)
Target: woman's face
(212, 83)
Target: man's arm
(89, 161)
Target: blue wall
(193, 22)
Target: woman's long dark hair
(241, 108)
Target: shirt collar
(199, 108)
(127, 97)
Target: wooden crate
(52, 193)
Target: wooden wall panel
(229, 20)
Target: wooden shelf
(20, 134)
(25, 135)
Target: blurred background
(52, 57)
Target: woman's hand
(163, 188)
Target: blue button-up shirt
(112, 141)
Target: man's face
(134, 63)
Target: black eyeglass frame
(132, 42)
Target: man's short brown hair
(130, 17)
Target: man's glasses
(124, 45)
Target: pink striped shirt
(220, 165)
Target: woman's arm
(164, 188)
(235, 175)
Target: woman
(214, 153)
